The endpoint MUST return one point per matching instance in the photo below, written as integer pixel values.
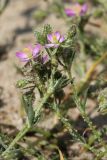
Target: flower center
(27, 52)
(55, 39)
(76, 9)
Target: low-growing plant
(48, 71)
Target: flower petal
(50, 45)
(50, 38)
(56, 45)
(36, 50)
(57, 35)
(45, 58)
(22, 56)
(61, 39)
(84, 8)
(30, 48)
(69, 12)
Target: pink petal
(58, 35)
(22, 56)
(50, 45)
(30, 48)
(77, 4)
(84, 8)
(69, 12)
(61, 39)
(45, 58)
(36, 50)
(56, 45)
(50, 38)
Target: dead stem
(88, 77)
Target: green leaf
(41, 36)
(83, 103)
(27, 103)
(22, 83)
(102, 101)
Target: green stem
(70, 128)
(76, 135)
(24, 130)
(84, 115)
(78, 104)
(91, 126)
(26, 127)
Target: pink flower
(54, 40)
(29, 53)
(76, 10)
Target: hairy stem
(90, 124)
(26, 127)
(73, 132)
(23, 131)
(87, 80)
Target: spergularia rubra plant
(47, 71)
